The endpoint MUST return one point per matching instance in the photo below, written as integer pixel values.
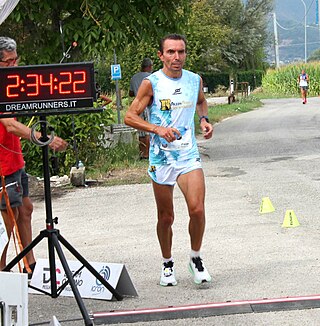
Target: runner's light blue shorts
(168, 174)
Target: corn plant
(284, 80)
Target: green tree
(314, 56)
(257, 15)
(222, 35)
(98, 26)
(248, 35)
(206, 36)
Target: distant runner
(303, 81)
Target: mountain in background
(290, 15)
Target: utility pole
(118, 98)
(305, 30)
(318, 16)
(276, 42)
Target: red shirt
(11, 157)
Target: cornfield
(284, 80)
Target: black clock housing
(47, 87)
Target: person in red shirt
(12, 164)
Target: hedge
(213, 80)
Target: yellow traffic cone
(266, 206)
(290, 220)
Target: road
(270, 152)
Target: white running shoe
(198, 270)
(168, 277)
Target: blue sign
(115, 72)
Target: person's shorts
(305, 88)
(142, 133)
(14, 190)
(25, 184)
(169, 173)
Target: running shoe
(198, 270)
(168, 277)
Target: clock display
(58, 86)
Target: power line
(296, 44)
(299, 23)
(286, 29)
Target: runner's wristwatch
(204, 117)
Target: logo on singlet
(165, 105)
(177, 91)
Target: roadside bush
(220, 90)
(82, 132)
(213, 80)
(253, 77)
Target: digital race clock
(47, 87)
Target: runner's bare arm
(139, 104)
(19, 129)
(15, 127)
(202, 110)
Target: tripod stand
(54, 239)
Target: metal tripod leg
(54, 237)
(86, 264)
(75, 290)
(29, 247)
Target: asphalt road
(270, 152)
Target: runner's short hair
(146, 62)
(172, 37)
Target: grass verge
(219, 112)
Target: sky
(290, 15)
(295, 10)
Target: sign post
(116, 75)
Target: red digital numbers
(33, 85)
(10, 87)
(82, 80)
(47, 83)
(47, 87)
(66, 82)
(38, 85)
